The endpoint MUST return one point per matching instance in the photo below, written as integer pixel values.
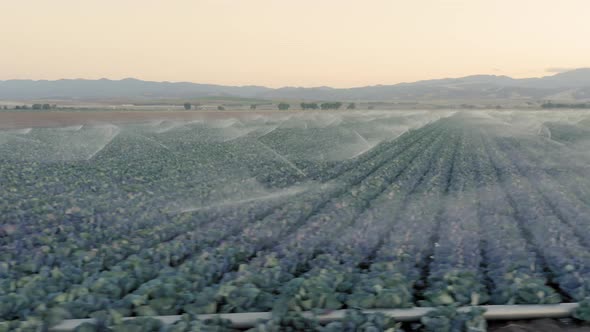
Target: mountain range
(572, 85)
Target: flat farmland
(36, 119)
(162, 214)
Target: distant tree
(24, 107)
(253, 107)
(371, 107)
(5, 107)
(220, 108)
(53, 106)
(468, 106)
(307, 106)
(564, 105)
(331, 106)
(187, 106)
(351, 106)
(46, 106)
(37, 106)
(283, 106)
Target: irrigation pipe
(492, 312)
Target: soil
(32, 119)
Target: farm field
(294, 212)
(10, 119)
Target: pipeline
(247, 320)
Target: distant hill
(572, 85)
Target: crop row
(70, 282)
(197, 220)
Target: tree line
(326, 106)
(315, 106)
(34, 107)
(285, 106)
(564, 105)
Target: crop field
(294, 212)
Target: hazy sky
(339, 43)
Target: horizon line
(284, 86)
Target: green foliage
(187, 106)
(289, 322)
(583, 311)
(449, 319)
(189, 323)
(94, 237)
(566, 133)
(521, 288)
(386, 289)
(331, 106)
(309, 106)
(40, 106)
(357, 321)
(551, 105)
(455, 287)
(283, 106)
(318, 291)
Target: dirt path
(30, 119)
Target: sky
(339, 43)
